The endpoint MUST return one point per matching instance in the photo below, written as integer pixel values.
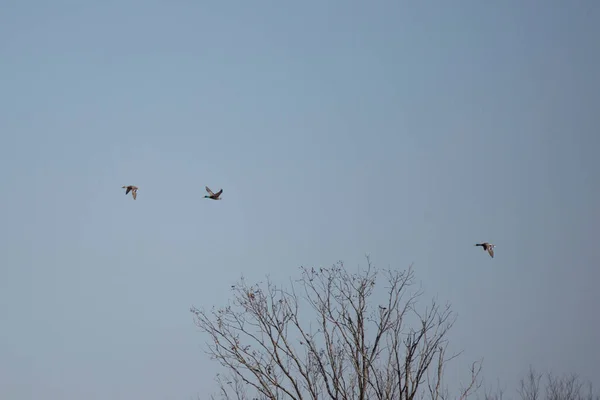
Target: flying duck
(211, 195)
(487, 247)
(132, 189)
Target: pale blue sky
(407, 130)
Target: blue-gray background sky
(406, 130)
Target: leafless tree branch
(325, 338)
(554, 387)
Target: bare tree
(497, 394)
(565, 387)
(529, 386)
(325, 338)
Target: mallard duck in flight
(487, 247)
(211, 195)
(132, 189)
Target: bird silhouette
(132, 189)
(487, 247)
(211, 195)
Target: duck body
(487, 247)
(211, 195)
(132, 189)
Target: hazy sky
(406, 130)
